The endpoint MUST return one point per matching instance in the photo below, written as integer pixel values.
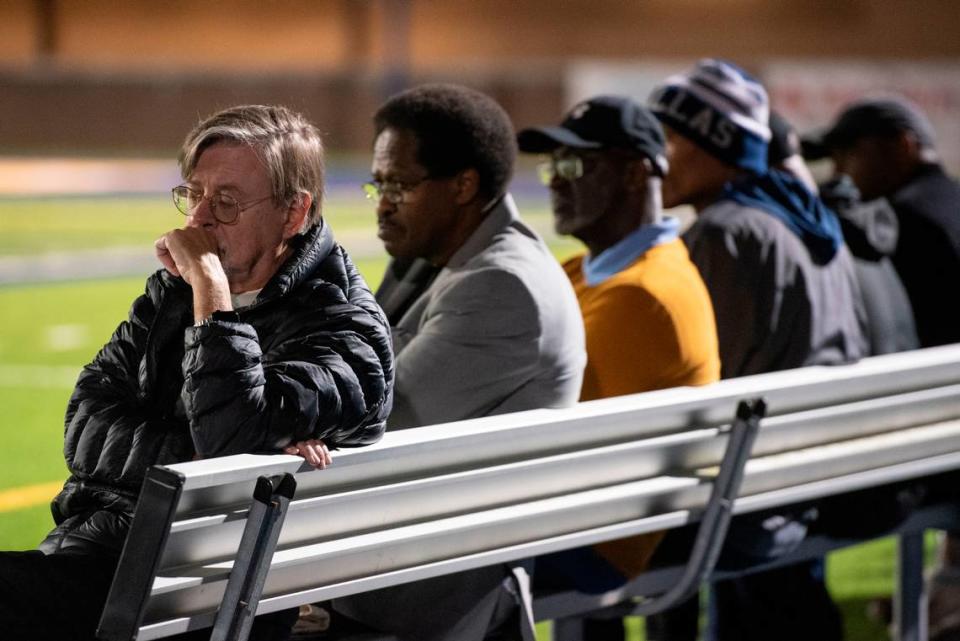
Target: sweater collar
(618, 257)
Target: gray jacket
(499, 330)
(776, 307)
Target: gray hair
(287, 144)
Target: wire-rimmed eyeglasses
(393, 191)
(564, 167)
(224, 207)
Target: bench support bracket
(245, 585)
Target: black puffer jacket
(310, 358)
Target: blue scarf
(788, 199)
(618, 257)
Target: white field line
(42, 376)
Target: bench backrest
(444, 498)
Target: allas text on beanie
(720, 108)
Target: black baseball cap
(603, 122)
(869, 117)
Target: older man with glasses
(258, 336)
(496, 330)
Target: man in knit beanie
(795, 306)
(785, 295)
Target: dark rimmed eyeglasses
(393, 191)
(224, 207)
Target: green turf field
(48, 331)
(35, 225)
(39, 225)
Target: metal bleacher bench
(244, 534)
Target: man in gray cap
(886, 146)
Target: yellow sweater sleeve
(649, 327)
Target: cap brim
(813, 146)
(538, 140)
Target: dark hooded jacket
(310, 358)
(928, 252)
(870, 230)
(781, 280)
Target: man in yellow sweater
(647, 313)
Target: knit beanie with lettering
(720, 108)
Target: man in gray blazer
(498, 329)
(484, 320)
